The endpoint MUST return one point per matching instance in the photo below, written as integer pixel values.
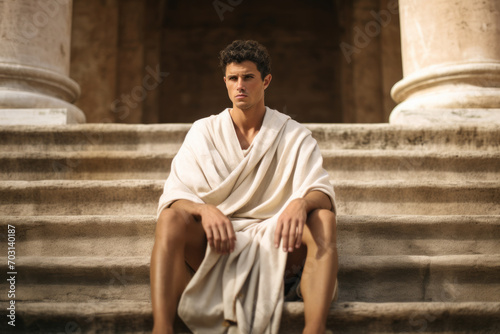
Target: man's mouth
(240, 96)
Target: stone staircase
(418, 226)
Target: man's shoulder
(207, 122)
(296, 127)
(290, 123)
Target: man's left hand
(291, 225)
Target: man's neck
(247, 124)
(248, 121)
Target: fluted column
(451, 62)
(35, 41)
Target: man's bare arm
(290, 225)
(317, 200)
(218, 228)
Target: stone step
(341, 164)
(367, 165)
(93, 137)
(398, 272)
(118, 236)
(165, 137)
(354, 317)
(140, 197)
(404, 278)
(86, 165)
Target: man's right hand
(218, 228)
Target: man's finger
(298, 239)
(223, 239)
(292, 235)
(285, 232)
(217, 238)
(231, 235)
(210, 237)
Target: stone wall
(149, 61)
(371, 63)
(94, 55)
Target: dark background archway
(301, 36)
(118, 44)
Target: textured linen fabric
(242, 292)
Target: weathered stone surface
(97, 165)
(366, 165)
(169, 137)
(130, 92)
(418, 235)
(417, 197)
(126, 197)
(135, 317)
(133, 235)
(94, 52)
(93, 137)
(365, 65)
(396, 278)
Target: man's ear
(224, 79)
(267, 80)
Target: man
(247, 200)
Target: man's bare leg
(178, 238)
(320, 268)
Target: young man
(247, 201)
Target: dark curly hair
(239, 51)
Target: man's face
(245, 86)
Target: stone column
(451, 62)
(35, 87)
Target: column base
(36, 116)
(22, 100)
(450, 93)
(444, 116)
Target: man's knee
(171, 226)
(323, 217)
(322, 225)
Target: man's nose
(240, 85)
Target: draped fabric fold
(244, 288)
